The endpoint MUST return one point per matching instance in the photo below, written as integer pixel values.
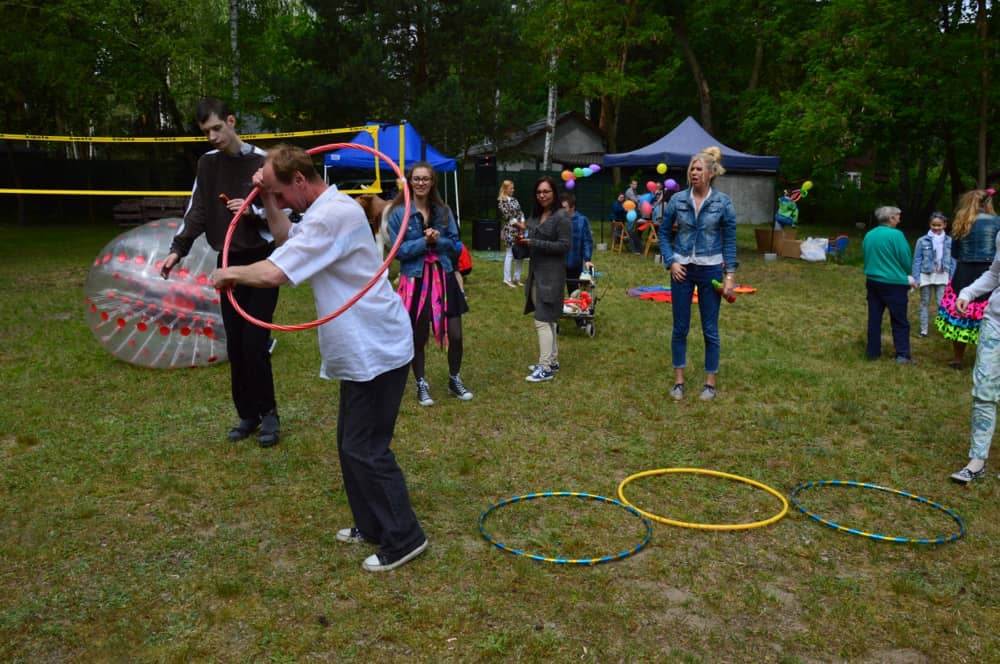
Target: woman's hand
(431, 235)
(677, 271)
(728, 285)
(961, 306)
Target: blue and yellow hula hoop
(565, 561)
(876, 536)
(706, 526)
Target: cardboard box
(790, 248)
(769, 240)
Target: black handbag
(519, 251)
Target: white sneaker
(374, 562)
(352, 536)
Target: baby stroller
(581, 305)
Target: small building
(577, 142)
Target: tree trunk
(701, 83)
(550, 123)
(982, 30)
(234, 46)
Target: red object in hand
(718, 288)
(223, 198)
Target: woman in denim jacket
(933, 266)
(703, 248)
(973, 247)
(427, 282)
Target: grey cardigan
(550, 242)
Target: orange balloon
(567, 176)
(628, 205)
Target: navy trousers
(374, 482)
(882, 296)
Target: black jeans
(374, 482)
(249, 362)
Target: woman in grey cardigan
(548, 239)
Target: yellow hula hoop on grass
(705, 526)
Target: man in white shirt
(367, 348)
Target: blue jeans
(708, 305)
(882, 296)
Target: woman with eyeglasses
(431, 293)
(973, 246)
(548, 240)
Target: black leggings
(422, 334)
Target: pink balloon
(651, 186)
(570, 183)
(647, 209)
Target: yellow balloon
(807, 185)
(661, 168)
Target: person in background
(618, 215)
(973, 233)
(428, 284)
(703, 249)
(933, 266)
(223, 180)
(513, 226)
(887, 281)
(581, 248)
(548, 239)
(986, 374)
(632, 192)
(367, 348)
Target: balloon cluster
(570, 176)
(645, 206)
(802, 192)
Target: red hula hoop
(364, 289)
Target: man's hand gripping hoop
(385, 265)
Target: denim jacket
(709, 239)
(414, 247)
(923, 257)
(979, 246)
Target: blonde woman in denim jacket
(933, 266)
(703, 249)
(973, 246)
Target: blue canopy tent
(676, 148)
(392, 142)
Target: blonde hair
(711, 157)
(503, 186)
(970, 204)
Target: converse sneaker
(554, 367)
(424, 393)
(377, 562)
(677, 391)
(353, 536)
(540, 374)
(707, 393)
(457, 389)
(965, 475)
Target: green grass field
(130, 530)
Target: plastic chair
(837, 246)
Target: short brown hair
(287, 159)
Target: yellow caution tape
(371, 129)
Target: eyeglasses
(543, 191)
(420, 180)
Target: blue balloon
(631, 215)
(647, 198)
